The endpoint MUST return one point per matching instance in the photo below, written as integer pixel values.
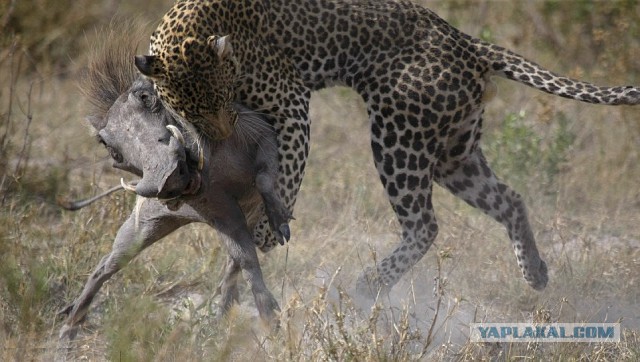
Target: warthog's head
(140, 134)
(143, 138)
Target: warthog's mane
(111, 71)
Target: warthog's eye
(144, 97)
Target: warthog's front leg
(277, 214)
(152, 224)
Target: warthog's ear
(148, 65)
(221, 45)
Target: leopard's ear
(221, 45)
(149, 65)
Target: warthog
(222, 183)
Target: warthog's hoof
(68, 332)
(285, 232)
(268, 309)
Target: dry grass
(576, 165)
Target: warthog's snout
(168, 175)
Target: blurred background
(576, 165)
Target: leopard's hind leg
(472, 180)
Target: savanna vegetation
(577, 166)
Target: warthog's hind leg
(228, 286)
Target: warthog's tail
(79, 204)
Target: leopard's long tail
(515, 67)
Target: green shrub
(519, 154)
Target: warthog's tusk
(200, 158)
(177, 134)
(127, 186)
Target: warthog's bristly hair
(111, 71)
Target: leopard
(425, 85)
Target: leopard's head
(197, 79)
